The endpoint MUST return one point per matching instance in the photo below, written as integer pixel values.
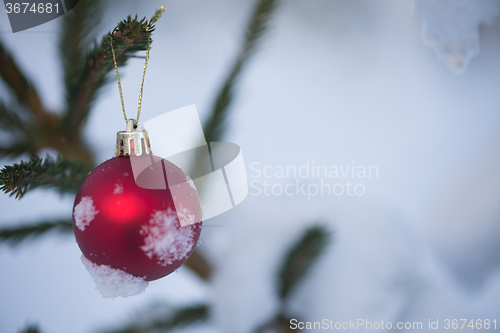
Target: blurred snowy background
(336, 81)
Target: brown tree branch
(22, 88)
(199, 265)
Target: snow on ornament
(135, 225)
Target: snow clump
(165, 239)
(84, 213)
(112, 283)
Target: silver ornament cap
(132, 141)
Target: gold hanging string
(143, 76)
(136, 121)
(118, 77)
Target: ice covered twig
(451, 27)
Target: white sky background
(335, 82)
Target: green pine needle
(20, 85)
(301, 257)
(129, 37)
(157, 15)
(179, 319)
(66, 176)
(15, 235)
(32, 328)
(18, 125)
(77, 31)
(280, 324)
(10, 119)
(18, 147)
(214, 127)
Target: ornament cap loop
(130, 125)
(132, 141)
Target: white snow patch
(112, 283)
(85, 213)
(165, 239)
(190, 182)
(118, 189)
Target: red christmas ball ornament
(136, 218)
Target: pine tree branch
(36, 127)
(297, 263)
(179, 319)
(214, 127)
(32, 328)
(301, 257)
(76, 34)
(21, 86)
(15, 235)
(19, 146)
(10, 119)
(66, 176)
(199, 265)
(129, 37)
(20, 130)
(279, 324)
